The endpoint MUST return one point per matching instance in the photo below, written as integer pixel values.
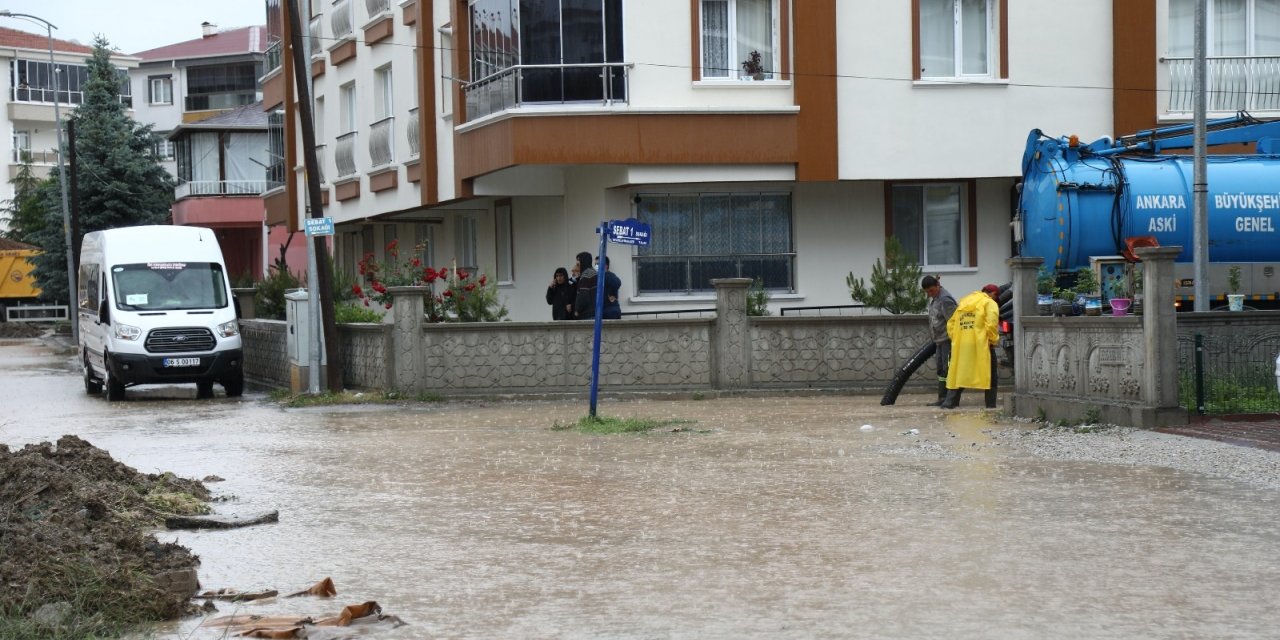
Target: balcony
(340, 20)
(1234, 83)
(543, 84)
(322, 158)
(412, 133)
(205, 188)
(376, 8)
(229, 100)
(345, 155)
(273, 57)
(315, 30)
(35, 157)
(381, 151)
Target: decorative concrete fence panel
(266, 357)
(861, 352)
(556, 356)
(366, 361)
(1096, 359)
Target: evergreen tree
(895, 284)
(24, 214)
(120, 182)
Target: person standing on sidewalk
(974, 332)
(941, 305)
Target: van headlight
(229, 329)
(127, 332)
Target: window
(700, 236)
(347, 107)
(161, 91)
(164, 150)
(446, 71)
(222, 86)
(958, 38)
(1236, 27)
(275, 148)
(424, 242)
(31, 81)
(464, 239)
(87, 287)
(553, 32)
(929, 220)
(732, 29)
(383, 96)
(21, 146)
(502, 227)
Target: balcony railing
(377, 7)
(381, 150)
(35, 157)
(340, 20)
(322, 157)
(345, 154)
(228, 100)
(316, 31)
(411, 130)
(273, 56)
(1234, 83)
(528, 84)
(198, 188)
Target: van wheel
(234, 385)
(92, 385)
(204, 390)
(115, 388)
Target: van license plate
(182, 362)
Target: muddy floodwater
(766, 517)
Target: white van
(155, 307)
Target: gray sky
(134, 25)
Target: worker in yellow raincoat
(974, 332)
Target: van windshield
(169, 286)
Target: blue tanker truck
(1080, 203)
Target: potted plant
(1235, 300)
(1061, 304)
(1044, 291)
(1120, 296)
(1087, 292)
(753, 66)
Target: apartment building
(204, 98)
(500, 133)
(32, 85)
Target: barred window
(700, 236)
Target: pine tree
(24, 214)
(895, 284)
(120, 182)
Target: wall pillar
(1025, 271)
(408, 364)
(731, 341)
(1159, 327)
(245, 296)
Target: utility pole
(1200, 178)
(324, 284)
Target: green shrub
(269, 299)
(349, 312)
(757, 299)
(895, 284)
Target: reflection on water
(780, 518)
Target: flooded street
(778, 517)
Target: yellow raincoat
(973, 330)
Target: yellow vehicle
(17, 285)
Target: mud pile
(75, 528)
(20, 330)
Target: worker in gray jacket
(941, 305)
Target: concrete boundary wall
(729, 352)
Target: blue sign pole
(603, 229)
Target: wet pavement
(778, 517)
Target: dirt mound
(74, 522)
(20, 330)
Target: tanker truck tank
(1082, 201)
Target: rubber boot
(942, 395)
(953, 399)
(990, 397)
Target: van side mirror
(235, 302)
(104, 315)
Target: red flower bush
(451, 304)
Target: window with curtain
(347, 107)
(1235, 27)
(731, 30)
(957, 38)
(928, 219)
(382, 100)
(700, 236)
(161, 90)
(464, 239)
